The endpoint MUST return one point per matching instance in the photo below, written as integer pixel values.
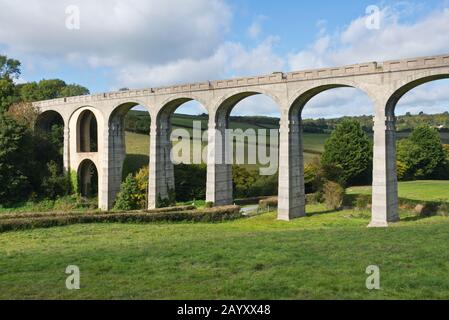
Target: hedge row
(59, 214)
(248, 201)
(272, 202)
(206, 215)
(422, 208)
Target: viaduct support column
(291, 198)
(219, 172)
(161, 184)
(66, 150)
(385, 183)
(116, 157)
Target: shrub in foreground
(333, 195)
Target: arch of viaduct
(385, 83)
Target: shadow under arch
(47, 119)
(87, 179)
(49, 128)
(87, 132)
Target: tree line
(31, 165)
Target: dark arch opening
(87, 132)
(88, 179)
(50, 127)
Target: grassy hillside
(138, 143)
(322, 256)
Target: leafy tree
(423, 154)
(15, 146)
(7, 94)
(49, 89)
(72, 90)
(9, 68)
(350, 149)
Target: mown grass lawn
(322, 256)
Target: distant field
(138, 146)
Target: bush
(313, 198)
(362, 201)
(142, 185)
(20, 222)
(269, 203)
(129, 197)
(333, 195)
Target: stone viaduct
(384, 82)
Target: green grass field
(323, 256)
(415, 190)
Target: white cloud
(394, 40)
(116, 32)
(255, 29)
(229, 60)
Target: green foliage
(9, 68)
(55, 183)
(142, 177)
(350, 149)
(15, 147)
(248, 183)
(49, 89)
(333, 195)
(129, 195)
(190, 182)
(242, 180)
(422, 155)
(74, 182)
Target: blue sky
(146, 43)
